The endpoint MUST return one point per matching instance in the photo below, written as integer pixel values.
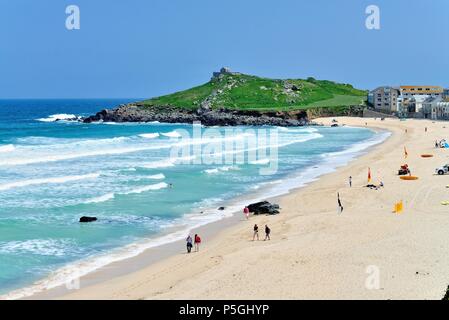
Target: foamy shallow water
(52, 173)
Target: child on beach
(267, 233)
(189, 244)
(256, 232)
(246, 212)
(197, 243)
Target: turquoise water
(54, 172)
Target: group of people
(441, 144)
(256, 233)
(196, 240)
(191, 242)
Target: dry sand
(316, 253)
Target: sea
(147, 183)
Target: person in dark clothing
(267, 233)
(256, 232)
(189, 244)
(340, 206)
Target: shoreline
(315, 253)
(148, 251)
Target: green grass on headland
(245, 92)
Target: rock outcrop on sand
(264, 207)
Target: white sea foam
(56, 117)
(172, 134)
(138, 190)
(149, 135)
(42, 247)
(66, 149)
(159, 164)
(54, 180)
(222, 169)
(103, 198)
(7, 148)
(152, 187)
(25, 160)
(262, 161)
(358, 147)
(159, 176)
(212, 171)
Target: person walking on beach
(256, 232)
(246, 212)
(267, 233)
(189, 244)
(350, 182)
(197, 243)
(340, 206)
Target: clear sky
(145, 48)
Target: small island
(233, 98)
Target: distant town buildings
(384, 99)
(446, 94)
(411, 101)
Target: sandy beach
(316, 253)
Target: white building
(412, 98)
(436, 109)
(446, 94)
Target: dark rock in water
(264, 207)
(221, 208)
(87, 219)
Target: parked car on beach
(442, 170)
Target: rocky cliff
(221, 117)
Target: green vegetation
(245, 92)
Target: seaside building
(384, 99)
(436, 109)
(446, 94)
(411, 99)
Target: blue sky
(145, 48)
